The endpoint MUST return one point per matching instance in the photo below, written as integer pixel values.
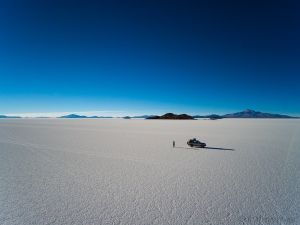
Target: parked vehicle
(194, 142)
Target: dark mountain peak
(248, 113)
(172, 116)
(248, 110)
(169, 115)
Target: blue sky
(140, 57)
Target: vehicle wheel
(191, 145)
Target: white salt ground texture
(114, 171)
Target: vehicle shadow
(227, 149)
(212, 148)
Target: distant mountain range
(143, 117)
(3, 116)
(247, 113)
(137, 117)
(209, 116)
(78, 116)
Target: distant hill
(103, 117)
(78, 116)
(144, 116)
(248, 113)
(209, 116)
(171, 116)
(72, 116)
(3, 116)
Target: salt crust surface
(114, 171)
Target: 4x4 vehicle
(194, 142)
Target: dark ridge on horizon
(171, 116)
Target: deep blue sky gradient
(149, 56)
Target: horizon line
(116, 114)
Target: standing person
(173, 144)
